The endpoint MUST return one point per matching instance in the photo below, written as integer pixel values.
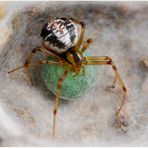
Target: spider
(62, 40)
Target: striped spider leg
(28, 62)
(58, 61)
(105, 60)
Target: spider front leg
(105, 60)
(57, 96)
(36, 63)
(83, 26)
(85, 45)
(28, 61)
(34, 51)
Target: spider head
(74, 57)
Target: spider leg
(57, 96)
(34, 51)
(83, 26)
(31, 64)
(39, 49)
(85, 45)
(36, 63)
(105, 60)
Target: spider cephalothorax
(62, 41)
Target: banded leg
(105, 60)
(57, 97)
(34, 64)
(81, 32)
(85, 45)
(39, 49)
(34, 51)
(28, 61)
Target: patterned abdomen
(59, 34)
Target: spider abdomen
(59, 34)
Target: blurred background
(118, 30)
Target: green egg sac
(73, 86)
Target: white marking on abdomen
(63, 36)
